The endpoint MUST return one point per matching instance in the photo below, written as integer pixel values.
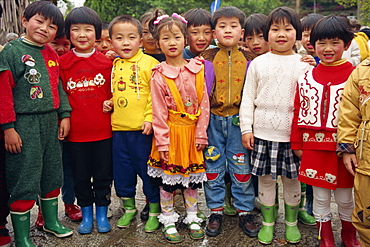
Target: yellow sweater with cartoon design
(132, 102)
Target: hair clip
(159, 18)
(180, 17)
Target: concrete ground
(231, 236)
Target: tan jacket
(354, 116)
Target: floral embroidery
(175, 168)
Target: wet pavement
(135, 235)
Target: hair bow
(159, 18)
(180, 17)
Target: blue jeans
(226, 153)
(68, 192)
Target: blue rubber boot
(86, 225)
(102, 219)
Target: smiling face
(330, 50)
(228, 31)
(39, 29)
(282, 38)
(305, 41)
(126, 40)
(83, 37)
(172, 42)
(200, 38)
(257, 44)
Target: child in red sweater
(85, 73)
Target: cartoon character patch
(239, 158)
(36, 92)
(28, 60)
(33, 76)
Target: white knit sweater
(268, 96)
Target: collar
(194, 65)
(137, 57)
(79, 54)
(336, 63)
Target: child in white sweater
(267, 105)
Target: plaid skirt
(274, 158)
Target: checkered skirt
(274, 158)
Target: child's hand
(298, 153)
(200, 147)
(64, 128)
(164, 155)
(308, 59)
(147, 128)
(350, 161)
(107, 106)
(111, 55)
(13, 141)
(248, 140)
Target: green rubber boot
(266, 233)
(49, 210)
(130, 212)
(292, 233)
(152, 223)
(303, 216)
(229, 208)
(21, 226)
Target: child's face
(83, 37)
(126, 40)
(228, 31)
(282, 38)
(257, 44)
(61, 45)
(103, 44)
(200, 38)
(305, 41)
(172, 42)
(330, 50)
(39, 29)
(149, 43)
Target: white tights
(322, 199)
(267, 190)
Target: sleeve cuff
(345, 148)
(7, 126)
(64, 115)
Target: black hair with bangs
(198, 17)
(49, 11)
(331, 27)
(281, 15)
(228, 12)
(309, 21)
(125, 19)
(255, 24)
(83, 15)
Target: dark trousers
(131, 150)
(92, 171)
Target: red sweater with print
(318, 138)
(87, 84)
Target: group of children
(180, 115)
